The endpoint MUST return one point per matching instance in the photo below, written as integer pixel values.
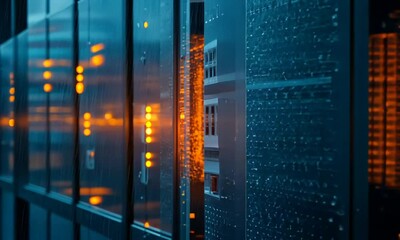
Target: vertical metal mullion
(359, 120)
(48, 135)
(176, 166)
(20, 171)
(76, 162)
(47, 56)
(127, 193)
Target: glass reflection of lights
(11, 122)
(87, 116)
(97, 47)
(87, 132)
(79, 69)
(95, 200)
(86, 124)
(47, 63)
(47, 87)
(79, 78)
(146, 24)
(97, 60)
(146, 224)
(80, 88)
(47, 75)
(108, 116)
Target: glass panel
(38, 104)
(36, 11)
(101, 85)
(61, 228)
(37, 223)
(7, 215)
(87, 234)
(57, 5)
(297, 81)
(7, 118)
(224, 142)
(61, 110)
(153, 114)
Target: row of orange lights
(148, 139)
(11, 121)
(148, 133)
(79, 87)
(47, 75)
(98, 59)
(86, 124)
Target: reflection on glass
(7, 117)
(153, 114)
(38, 104)
(36, 11)
(224, 107)
(37, 223)
(57, 5)
(87, 234)
(61, 228)
(100, 83)
(7, 215)
(58, 73)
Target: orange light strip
(148, 132)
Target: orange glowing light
(86, 124)
(149, 131)
(87, 132)
(108, 116)
(97, 47)
(79, 69)
(148, 140)
(95, 200)
(87, 116)
(79, 77)
(182, 116)
(192, 215)
(148, 116)
(12, 98)
(47, 75)
(11, 122)
(97, 60)
(148, 109)
(146, 224)
(146, 24)
(149, 164)
(47, 63)
(148, 124)
(47, 87)
(12, 90)
(80, 88)
(148, 155)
